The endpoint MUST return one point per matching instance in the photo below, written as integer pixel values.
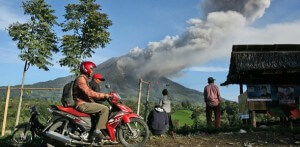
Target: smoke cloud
(226, 23)
(251, 9)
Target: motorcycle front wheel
(23, 134)
(133, 134)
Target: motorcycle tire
(139, 135)
(22, 134)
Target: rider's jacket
(82, 92)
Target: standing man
(96, 80)
(212, 99)
(165, 103)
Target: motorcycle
(69, 127)
(26, 132)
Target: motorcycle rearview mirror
(107, 86)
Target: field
(182, 117)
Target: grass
(183, 117)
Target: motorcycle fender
(127, 117)
(27, 125)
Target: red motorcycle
(70, 127)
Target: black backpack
(67, 96)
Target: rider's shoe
(99, 135)
(113, 142)
(109, 142)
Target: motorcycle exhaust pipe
(59, 137)
(64, 139)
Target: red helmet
(98, 76)
(86, 66)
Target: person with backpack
(157, 120)
(85, 97)
(212, 99)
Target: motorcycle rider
(85, 97)
(96, 80)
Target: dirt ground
(251, 139)
(226, 139)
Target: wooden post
(291, 123)
(253, 118)
(139, 97)
(147, 101)
(245, 121)
(5, 111)
(241, 89)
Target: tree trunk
(21, 92)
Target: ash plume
(201, 41)
(251, 9)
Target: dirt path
(225, 139)
(216, 140)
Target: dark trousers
(171, 127)
(217, 112)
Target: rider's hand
(107, 96)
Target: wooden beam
(253, 119)
(34, 88)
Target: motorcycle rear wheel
(58, 128)
(139, 135)
(22, 135)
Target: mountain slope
(122, 80)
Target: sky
(190, 39)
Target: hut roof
(264, 64)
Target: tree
(188, 104)
(183, 104)
(89, 27)
(35, 39)
(195, 117)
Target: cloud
(210, 38)
(9, 15)
(280, 33)
(250, 9)
(208, 69)
(197, 45)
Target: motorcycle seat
(73, 111)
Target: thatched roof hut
(264, 64)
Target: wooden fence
(7, 102)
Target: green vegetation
(25, 115)
(183, 117)
(35, 38)
(86, 29)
